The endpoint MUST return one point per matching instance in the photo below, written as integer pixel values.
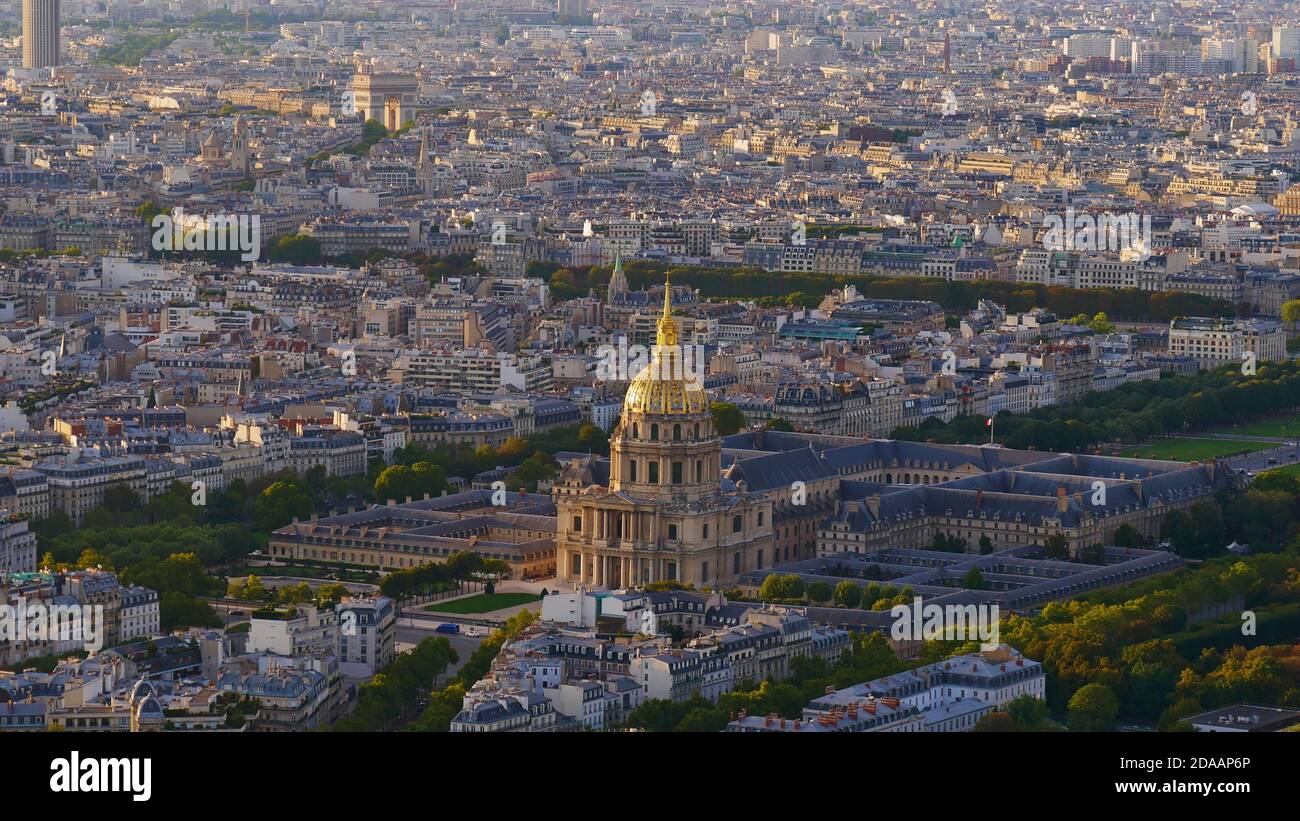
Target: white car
(473, 632)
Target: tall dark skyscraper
(40, 33)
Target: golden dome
(669, 384)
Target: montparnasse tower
(660, 512)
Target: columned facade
(660, 515)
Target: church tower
(660, 513)
(617, 281)
(240, 158)
(424, 165)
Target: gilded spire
(668, 384)
(667, 325)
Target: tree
(986, 545)
(949, 544)
(779, 586)
(1127, 536)
(1101, 324)
(1291, 311)
(1056, 547)
(777, 423)
(399, 482)
(703, 720)
(296, 249)
(178, 611)
(279, 504)
(178, 573)
(538, 467)
(251, 589)
(120, 498)
(1093, 708)
(848, 594)
(329, 595)
(727, 418)
(819, 592)
(973, 580)
(595, 439)
(1022, 714)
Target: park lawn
(483, 603)
(301, 572)
(1281, 428)
(1292, 469)
(1193, 450)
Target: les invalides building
(660, 512)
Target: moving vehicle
(447, 627)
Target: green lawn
(1192, 450)
(302, 572)
(1292, 469)
(483, 603)
(1282, 428)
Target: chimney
(979, 499)
(392, 502)
(873, 504)
(1062, 502)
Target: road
(1258, 461)
(411, 632)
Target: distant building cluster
(563, 674)
(293, 669)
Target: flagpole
(990, 430)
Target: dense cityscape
(812, 366)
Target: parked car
(447, 627)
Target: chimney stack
(1061, 500)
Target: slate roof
(780, 470)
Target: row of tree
(444, 704)
(1133, 412)
(754, 283)
(1146, 641)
